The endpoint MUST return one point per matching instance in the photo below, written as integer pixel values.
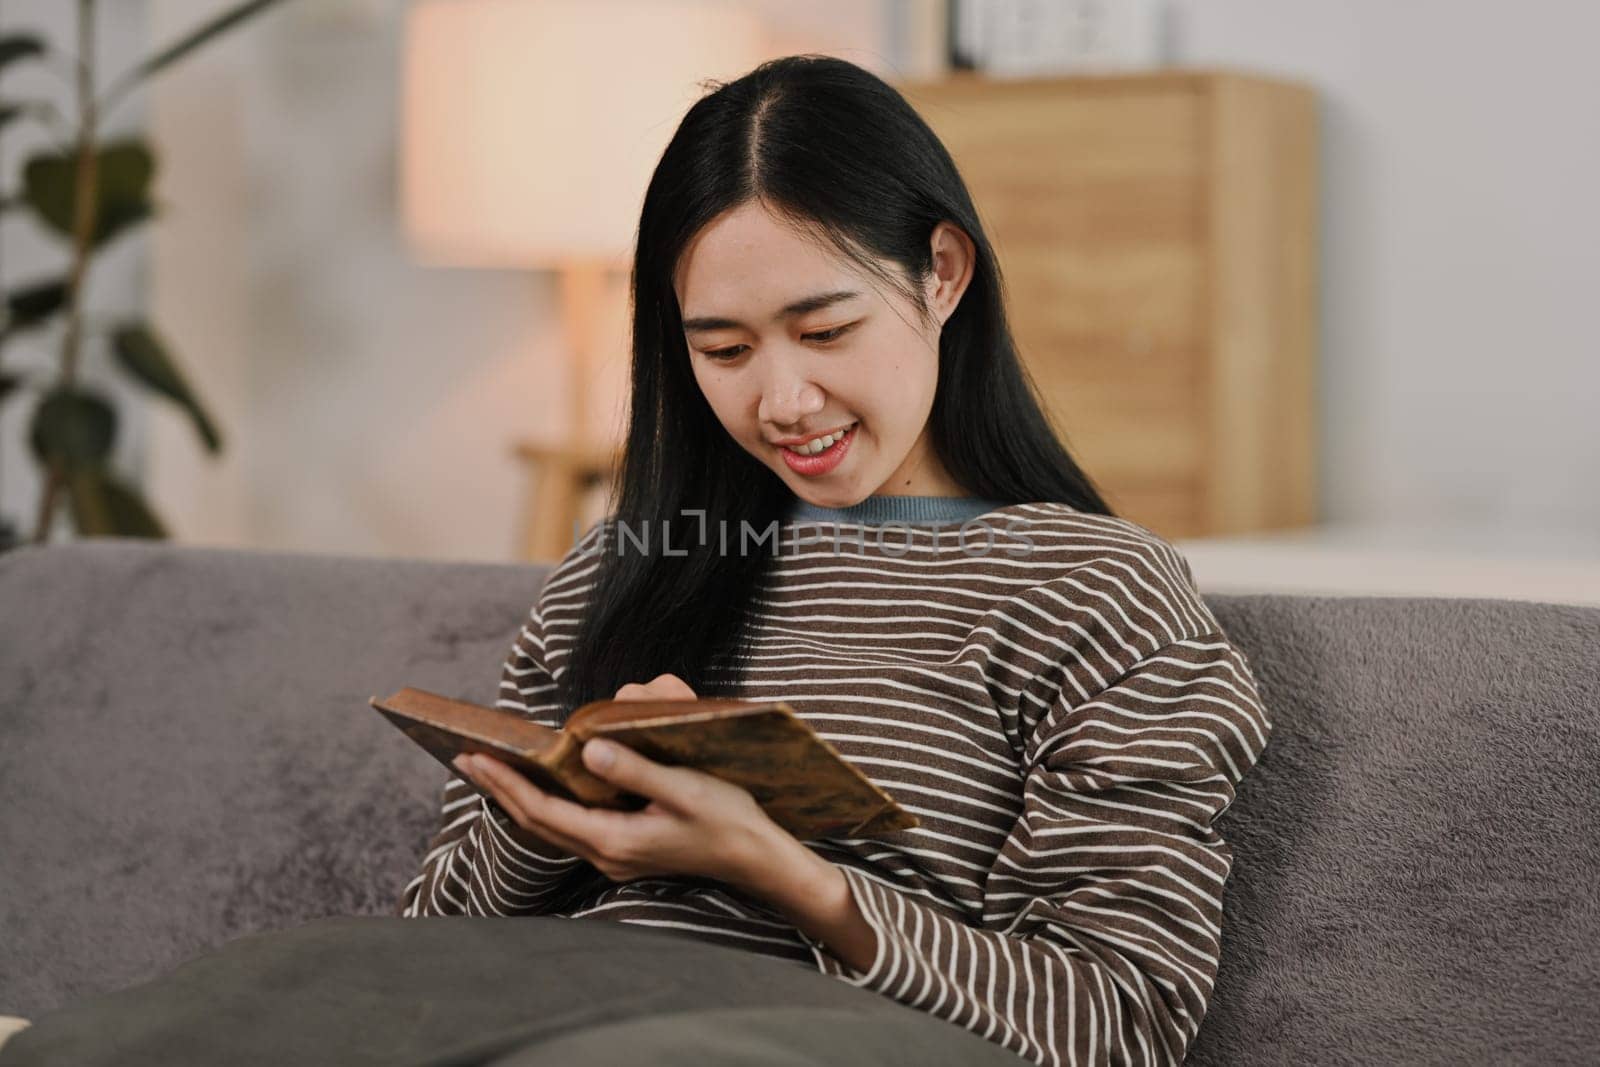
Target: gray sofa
(187, 757)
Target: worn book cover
(799, 779)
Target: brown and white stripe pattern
(1067, 722)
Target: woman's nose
(789, 399)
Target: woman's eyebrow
(799, 307)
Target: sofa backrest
(188, 752)
(188, 756)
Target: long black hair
(838, 153)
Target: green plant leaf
(132, 514)
(122, 188)
(33, 303)
(141, 354)
(105, 506)
(72, 426)
(188, 43)
(15, 46)
(91, 513)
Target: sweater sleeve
(1101, 926)
(473, 864)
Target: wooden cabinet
(1157, 243)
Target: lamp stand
(562, 473)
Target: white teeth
(811, 448)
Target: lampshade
(529, 128)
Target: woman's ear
(953, 255)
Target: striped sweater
(1043, 687)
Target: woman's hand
(695, 823)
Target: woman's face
(790, 342)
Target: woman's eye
(829, 335)
(820, 336)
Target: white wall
(1461, 251)
(371, 403)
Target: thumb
(622, 766)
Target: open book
(797, 777)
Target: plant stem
(82, 237)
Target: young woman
(839, 491)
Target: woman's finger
(493, 776)
(548, 834)
(671, 687)
(525, 802)
(661, 687)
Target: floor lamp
(528, 135)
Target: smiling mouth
(821, 444)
